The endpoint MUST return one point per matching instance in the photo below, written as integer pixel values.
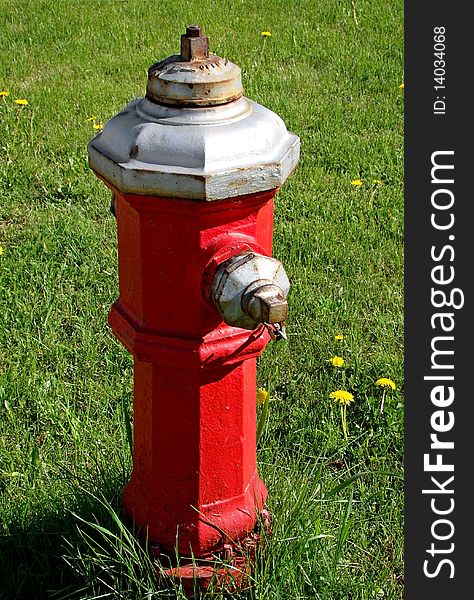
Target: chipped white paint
(207, 82)
(195, 153)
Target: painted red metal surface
(194, 482)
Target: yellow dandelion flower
(402, 86)
(21, 101)
(337, 361)
(98, 126)
(4, 93)
(262, 395)
(342, 397)
(356, 182)
(377, 181)
(90, 119)
(266, 34)
(384, 382)
(339, 337)
(1, 250)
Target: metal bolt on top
(194, 45)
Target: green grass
(66, 384)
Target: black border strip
(437, 568)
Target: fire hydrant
(193, 168)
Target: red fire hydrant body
(194, 483)
(194, 473)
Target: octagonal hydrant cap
(194, 135)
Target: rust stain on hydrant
(194, 45)
(194, 168)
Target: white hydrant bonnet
(194, 136)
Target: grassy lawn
(332, 70)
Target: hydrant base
(230, 570)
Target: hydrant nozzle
(250, 289)
(265, 303)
